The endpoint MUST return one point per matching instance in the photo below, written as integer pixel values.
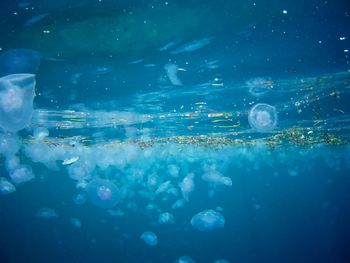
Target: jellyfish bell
(21, 60)
(263, 117)
(17, 93)
(259, 86)
(103, 193)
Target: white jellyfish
(6, 187)
(75, 222)
(165, 218)
(149, 238)
(187, 186)
(17, 93)
(103, 193)
(208, 220)
(221, 260)
(259, 86)
(79, 199)
(184, 259)
(46, 212)
(22, 60)
(22, 174)
(263, 117)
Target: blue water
(149, 107)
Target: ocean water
(174, 131)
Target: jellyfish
(21, 60)
(22, 174)
(17, 93)
(6, 187)
(47, 212)
(103, 193)
(208, 220)
(221, 260)
(263, 117)
(165, 218)
(259, 86)
(184, 259)
(150, 238)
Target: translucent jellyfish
(16, 61)
(263, 117)
(208, 220)
(259, 86)
(165, 218)
(103, 193)
(221, 260)
(163, 187)
(12, 162)
(9, 144)
(22, 174)
(187, 186)
(150, 238)
(178, 204)
(75, 222)
(79, 170)
(216, 178)
(6, 187)
(46, 212)
(185, 259)
(16, 101)
(79, 199)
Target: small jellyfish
(259, 86)
(178, 204)
(6, 187)
(79, 199)
(22, 174)
(150, 238)
(187, 186)
(221, 260)
(16, 61)
(47, 213)
(165, 218)
(208, 220)
(103, 193)
(17, 93)
(75, 222)
(184, 259)
(263, 117)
